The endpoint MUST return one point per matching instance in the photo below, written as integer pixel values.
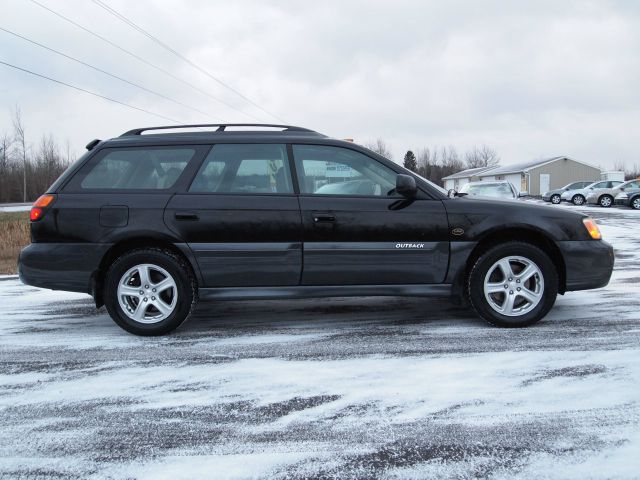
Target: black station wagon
(152, 221)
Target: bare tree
(6, 146)
(19, 136)
(482, 156)
(379, 146)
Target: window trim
(74, 185)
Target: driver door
(357, 230)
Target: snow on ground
(15, 207)
(393, 388)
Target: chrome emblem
(457, 231)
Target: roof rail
(221, 127)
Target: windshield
(488, 189)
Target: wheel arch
(137, 242)
(520, 234)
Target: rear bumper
(61, 266)
(588, 263)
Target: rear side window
(138, 169)
(258, 169)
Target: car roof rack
(220, 127)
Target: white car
(579, 196)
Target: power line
(141, 87)
(143, 60)
(90, 92)
(167, 47)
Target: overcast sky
(531, 79)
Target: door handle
(323, 218)
(186, 216)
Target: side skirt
(257, 293)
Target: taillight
(40, 207)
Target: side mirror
(523, 194)
(452, 193)
(406, 186)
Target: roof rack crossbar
(221, 127)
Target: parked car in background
(605, 197)
(629, 197)
(490, 189)
(554, 196)
(579, 196)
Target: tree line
(27, 169)
(435, 163)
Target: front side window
(600, 185)
(327, 170)
(250, 168)
(138, 169)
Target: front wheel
(605, 201)
(578, 200)
(635, 203)
(555, 199)
(513, 284)
(149, 291)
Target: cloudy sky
(531, 79)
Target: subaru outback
(152, 221)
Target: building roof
(469, 172)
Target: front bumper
(621, 201)
(61, 266)
(589, 263)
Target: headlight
(592, 227)
(622, 196)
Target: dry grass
(14, 235)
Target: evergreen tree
(410, 161)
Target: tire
(577, 200)
(635, 203)
(605, 201)
(555, 199)
(488, 272)
(165, 307)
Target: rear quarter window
(155, 168)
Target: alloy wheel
(605, 201)
(514, 286)
(147, 293)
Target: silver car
(500, 189)
(579, 197)
(553, 196)
(605, 197)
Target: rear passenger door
(357, 230)
(241, 218)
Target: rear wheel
(635, 203)
(514, 284)
(605, 201)
(578, 199)
(149, 291)
(555, 199)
